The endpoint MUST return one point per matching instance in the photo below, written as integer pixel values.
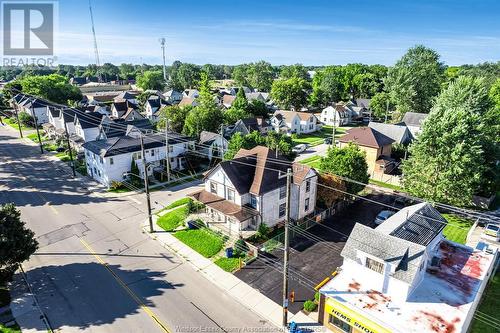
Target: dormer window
(374, 265)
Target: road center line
(146, 309)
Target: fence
(389, 179)
(305, 224)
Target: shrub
(263, 230)
(194, 206)
(309, 306)
(316, 296)
(115, 185)
(25, 118)
(240, 248)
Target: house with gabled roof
(86, 126)
(293, 122)
(414, 121)
(404, 276)
(212, 144)
(36, 108)
(377, 147)
(153, 106)
(399, 133)
(248, 190)
(247, 125)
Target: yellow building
(376, 145)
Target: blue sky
(311, 32)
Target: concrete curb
(243, 293)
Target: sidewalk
(239, 290)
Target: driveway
(312, 257)
(319, 150)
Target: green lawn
(228, 264)
(202, 241)
(173, 219)
(312, 161)
(175, 204)
(33, 137)
(386, 185)
(488, 307)
(457, 228)
(13, 124)
(316, 138)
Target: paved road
(94, 270)
(319, 150)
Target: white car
(299, 148)
(382, 216)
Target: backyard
(457, 228)
(488, 308)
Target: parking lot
(313, 256)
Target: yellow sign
(352, 318)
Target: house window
(213, 187)
(111, 161)
(375, 265)
(230, 195)
(343, 326)
(306, 205)
(282, 210)
(152, 152)
(101, 160)
(253, 201)
(282, 192)
(170, 149)
(308, 186)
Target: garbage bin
(192, 224)
(229, 252)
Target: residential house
(260, 96)
(172, 96)
(191, 93)
(399, 133)
(212, 145)
(57, 117)
(36, 108)
(126, 96)
(16, 100)
(336, 114)
(227, 101)
(86, 127)
(377, 146)
(187, 101)
(152, 108)
(110, 128)
(234, 90)
(405, 277)
(111, 159)
(414, 121)
(250, 189)
(248, 125)
(291, 122)
(126, 110)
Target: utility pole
(334, 126)
(18, 122)
(167, 147)
(36, 127)
(69, 145)
(288, 175)
(386, 110)
(222, 141)
(146, 185)
(162, 42)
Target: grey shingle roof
(399, 133)
(414, 118)
(405, 255)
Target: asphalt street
(94, 270)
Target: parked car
(382, 216)
(299, 148)
(492, 230)
(328, 140)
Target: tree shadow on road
(84, 295)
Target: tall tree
(327, 86)
(240, 75)
(17, 243)
(53, 87)
(381, 104)
(151, 80)
(176, 116)
(297, 71)
(185, 76)
(415, 80)
(366, 85)
(275, 141)
(349, 162)
(455, 155)
(239, 109)
(206, 116)
(290, 93)
(260, 76)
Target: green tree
(109, 71)
(327, 86)
(455, 155)
(206, 116)
(258, 108)
(379, 105)
(296, 71)
(53, 87)
(17, 243)
(176, 116)
(415, 80)
(151, 80)
(260, 76)
(495, 93)
(187, 76)
(239, 109)
(127, 71)
(290, 93)
(240, 75)
(349, 162)
(280, 142)
(366, 85)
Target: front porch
(226, 216)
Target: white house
(404, 276)
(291, 122)
(248, 190)
(57, 118)
(336, 114)
(35, 108)
(212, 144)
(248, 125)
(152, 108)
(110, 128)
(191, 93)
(87, 125)
(125, 109)
(173, 96)
(111, 159)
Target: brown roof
(228, 99)
(186, 101)
(258, 171)
(226, 207)
(366, 136)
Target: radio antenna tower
(96, 51)
(162, 42)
